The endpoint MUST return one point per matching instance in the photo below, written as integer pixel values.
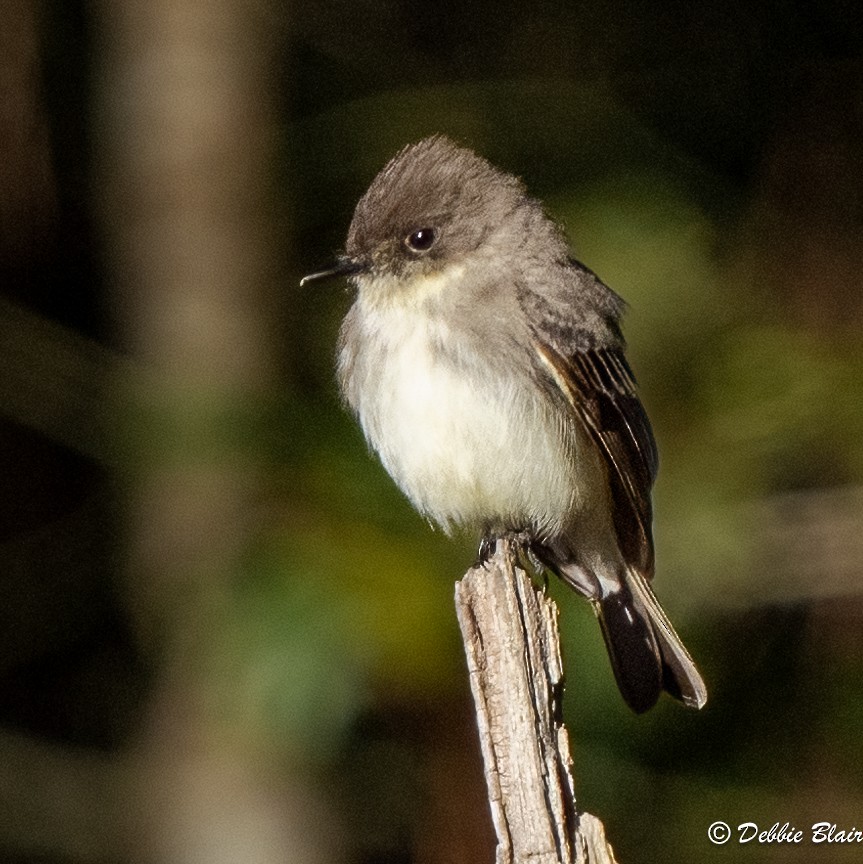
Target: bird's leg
(528, 545)
(488, 543)
(524, 542)
(536, 563)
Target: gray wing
(579, 347)
(589, 369)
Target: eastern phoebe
(487, 370)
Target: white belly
(477, 448)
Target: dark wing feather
(577, 340)
(599, 386)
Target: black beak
(342, 267)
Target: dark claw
(524, 543)
(536, 563)
(486, 550)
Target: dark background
(224, 634)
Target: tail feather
(632, 650)
(680, 676)
(646, 653)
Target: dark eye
(421, 240)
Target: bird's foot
(523, 541)
(486, 550)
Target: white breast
(475, 445)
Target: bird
(487, 369)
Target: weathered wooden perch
(511, 640)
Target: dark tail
(646, 654)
